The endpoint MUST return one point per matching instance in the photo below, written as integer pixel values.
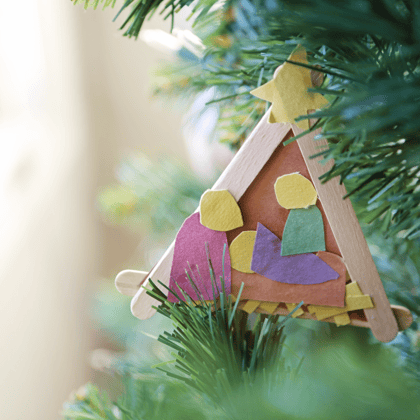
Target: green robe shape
(303, 232)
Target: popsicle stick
(141, 304)
(349, 238)
(236, 178)
(128, 282)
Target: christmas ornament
(277, 232)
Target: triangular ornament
(250, 179)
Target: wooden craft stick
(128, 282)
(349, 237)
(141, 304)
(236, 178)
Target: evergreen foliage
(226, 368)
(369, 51)
(225, 364)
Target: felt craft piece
(294, 191)
(219, 211)
(294, 269)
(190, 255)
(354, 300)
(330, 293)
(304, 232)
(342, 319)
(291, 306)
(251, 306)
(288, 91)
(269, 307)
(353, 289)
(284, 160)
(241, 251)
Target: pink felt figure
(192, 244)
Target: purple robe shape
(190, 253)
(293, 269)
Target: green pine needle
(216, 351)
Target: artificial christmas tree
(368, 55)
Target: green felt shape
(303, 232)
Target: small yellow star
(288, 92)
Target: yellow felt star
(288, 92)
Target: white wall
(73, 100)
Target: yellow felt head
(294, 191)
(219, 211)
(240, 251)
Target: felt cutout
(291, 306)
(269, 307)
(190, 256)
(294, 191)
(354, 300)
(285, 160)
(241, 251)
(288, 92)
(353, 289)
(342, 319)
(304, 232)
(359, 302)
(330, 293)
(294, 269)
(219, 211)
(251, 306)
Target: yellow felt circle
(294, 191)
(241, 251)
(219, 211)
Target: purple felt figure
(293, 269)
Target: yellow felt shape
(291, 306)
(294, 191)
(251, 306)
(353, 289)
(270, 307)
(354, 300)
(359, 302)
(342, 319)
(240, 251)
(288, 92)
(220, 211)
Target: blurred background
(74, 103)
(96, 176)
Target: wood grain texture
(350, 238)
(236, 178)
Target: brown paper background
(259, 204)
